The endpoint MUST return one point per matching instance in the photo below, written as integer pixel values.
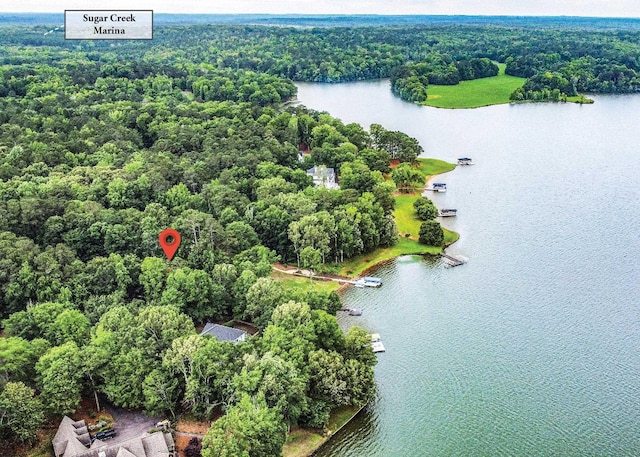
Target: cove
(531, 348)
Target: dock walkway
(454, 261)
(360, 282)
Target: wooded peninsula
(105, 144)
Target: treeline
(96, 158)
(410, 81)
(591, 59)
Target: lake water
(532, 348)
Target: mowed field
(473, 94)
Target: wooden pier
(454, 261)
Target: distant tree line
(589, 58)
(410, 81)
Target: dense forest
(105, 144)
(570, 56)
(99, 152)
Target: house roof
(124, 453)
(67, 443)
(221, 332)
(71, 438)
(321, 170)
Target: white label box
(108, 24)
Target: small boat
(438, 187)
(448, 212)
(372, 281)
(355, 311)
(465, 161)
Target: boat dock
(437, 187)
(448, 212)
(352, 311)
(454, 260)
(376, 344)
(367, 281)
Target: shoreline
(308, 435)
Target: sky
(594, 8)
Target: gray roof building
(223, 333)
(323, 176)
(73, 440)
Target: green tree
(153, 277)
(210, 371)
(59, 375)
(279, 381)
(240, 288)
(240, 236)
(124, 376)
(21, 412)
(159, 326)
(69, 325)
(262, 298)
(249, 429)
(161, 392)
(425, 209)
(18, 358)
(431, 233)
(328, 377)
(407, 178)
(357, 343)
(310, 258)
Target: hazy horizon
(552, 8)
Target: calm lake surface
(533, 347)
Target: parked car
(104, 434)
(163, 425)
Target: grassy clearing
(476, 93)
(406, 218)
(581, 99)
(404, 246)
(304, 284)
(341, 416)
(302, 443)
(408, 222)
(430, 167)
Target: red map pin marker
(170, 241)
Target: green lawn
(430, 167)
(406, 219)
(404, 246)
(304, 284)
(303, 442)
(408, 222)
(473, 94)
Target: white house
(323, 176)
